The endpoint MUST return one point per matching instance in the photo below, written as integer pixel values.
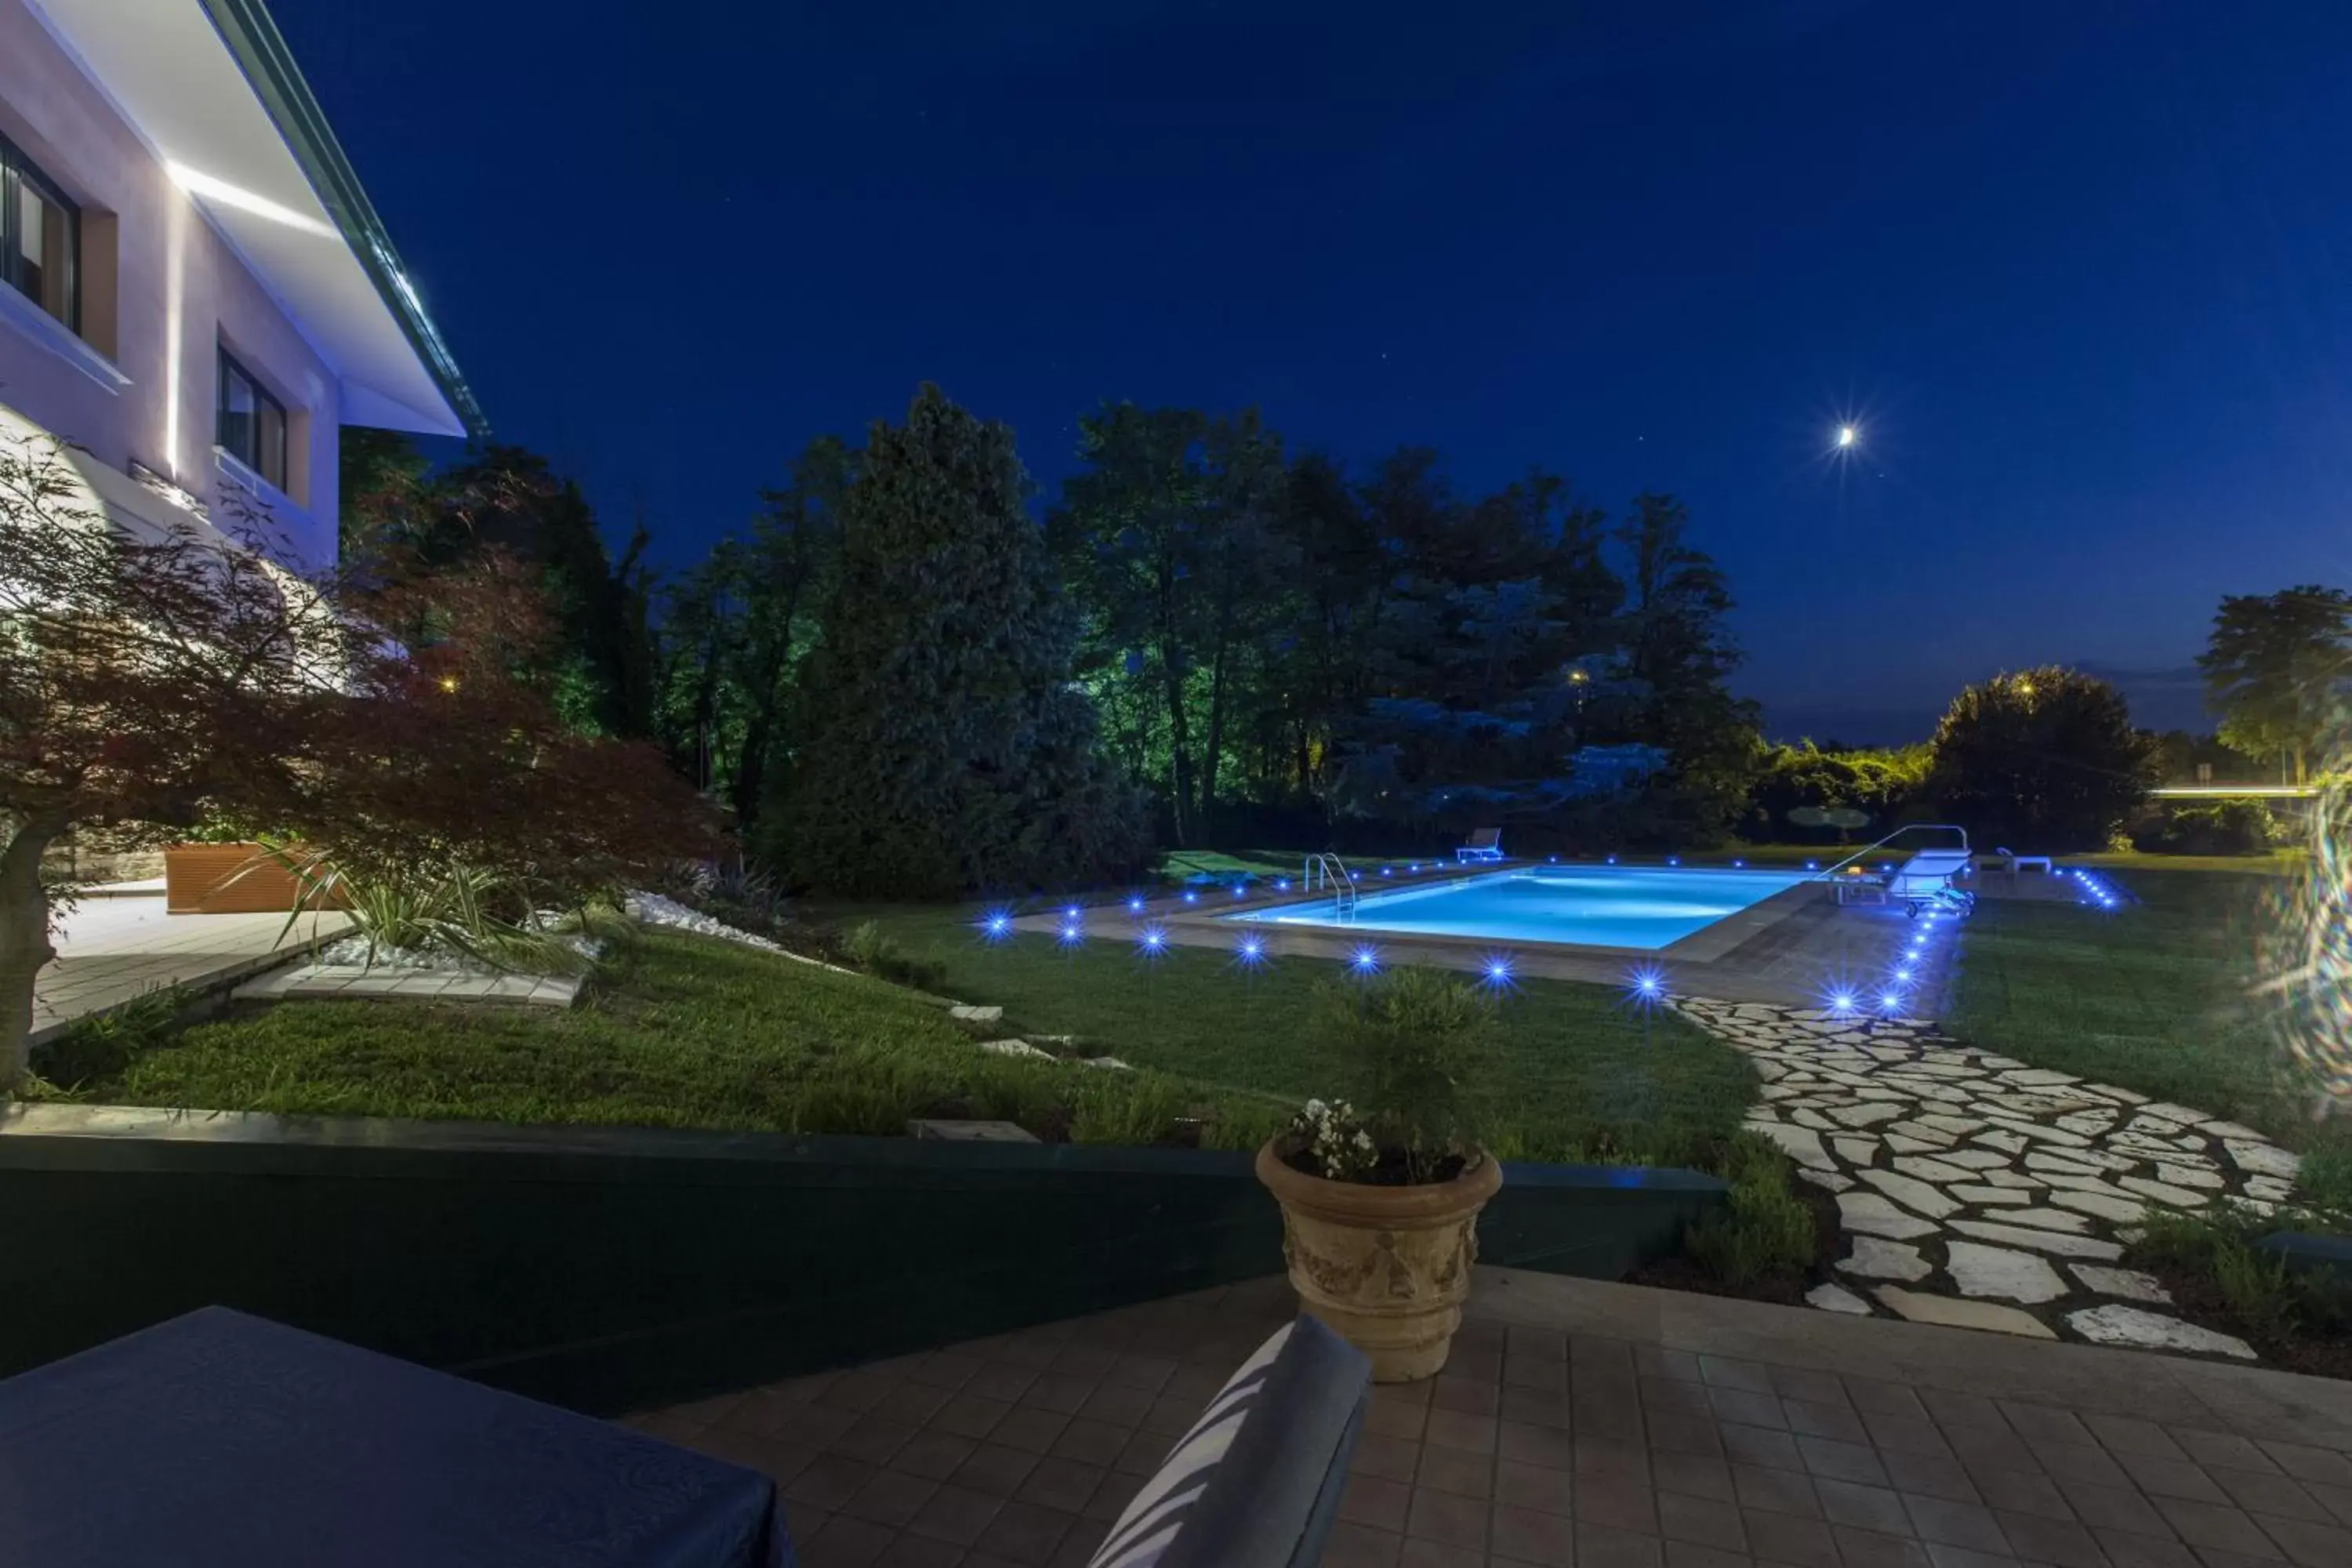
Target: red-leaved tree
(149, 679)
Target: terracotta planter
(225, 879)
(1387, 1268)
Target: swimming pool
(1642, 906)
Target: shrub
(98, 1046)
(2225, 828)
(2043, 759)
(2270, 1298)
(1765, 1229)
(870, 948)
(487, 915)
(1417, 1042)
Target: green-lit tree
(943, 746)
(2275, 666)
(2041, 759)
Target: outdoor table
(218, 1438)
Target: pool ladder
(1328, 871)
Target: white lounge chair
(1486, 844)
(2012, 862)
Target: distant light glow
(996, 924)
(1365, 960)
(1673, 860)
(1612, 859)
(1646, 985)
(1903, 974)
(1134, 903)
(1847, 436)
(1072, 912)
(1190, 897)
(1250, 950)
(1499, 971)
(1241, 890)
(1812, 865)
(1739, 865)
(1842, 1001)
(1071, 934)
(1388, 870)
(1151, 941)
(1889, 1002)
(1414, 867)
(1282, 884)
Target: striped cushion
(1255, 1482)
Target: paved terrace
(1582, 1425)
(112, 950)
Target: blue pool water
(1593, 906)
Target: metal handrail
(1332, 872)
(1831, 874)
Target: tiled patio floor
(1584, 1425)
(113, 951)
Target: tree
(149, 680)
(944, 746)
(1172, 538)
(1679, 655)
(598, 666)
(2275, 665)
(2043, 758)
(735, 628)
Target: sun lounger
(1486, 844)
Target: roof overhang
(210, 87)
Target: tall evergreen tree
(2277, 667)
(943, 747)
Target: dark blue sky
(2082, 272)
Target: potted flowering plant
(1380, 1193)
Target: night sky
(2082, 273)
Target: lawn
(1578, 1073)
(2156, 997)
(679, 1031)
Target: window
(252, 424)
(40, 238)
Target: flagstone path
(1977, 1191)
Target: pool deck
(1790, 949)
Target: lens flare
(995, 925)
(1151, 941)
(1499, 971)
(2306, 961)
(1365, 960)
(1250, 950)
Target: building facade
(195, 295)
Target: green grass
(1576, 1074)
(2156, 997)
(679, 1031)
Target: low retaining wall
(609, 1270)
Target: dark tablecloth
(219, 1438)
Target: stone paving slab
(1975, 1190)
(352, 982)
(1580, 1424)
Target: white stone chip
(2153, 1331)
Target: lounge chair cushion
(1257, 1481)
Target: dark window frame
(254, 460)
(17, 169)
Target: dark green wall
(610, 1270)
